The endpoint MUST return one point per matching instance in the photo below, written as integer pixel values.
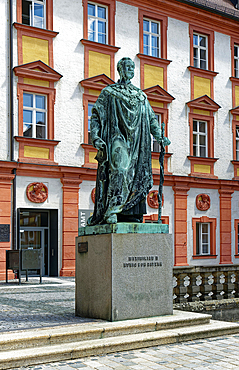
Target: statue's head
(125, 68)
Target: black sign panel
(4, 233)
(83, 247)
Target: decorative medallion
(152, 199)
(203, 202)
(37, 192)
(93, 195)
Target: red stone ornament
(203, 202)
(37, 192)
(152, 199)
(93, 195)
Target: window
(237, 143)
(33, 13)
(90, 107)
(97, 23)
(151, 38)
(236, 58)
(200, 138)
(202, 238)
(200, 51)
(34, 116)
(155, 147)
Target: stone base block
(124, 276)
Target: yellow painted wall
(31, 81)
(237, 171)
(202, 86)
(237, 118)
(203, 168)
(36, 152)
(199, 111)
(237, 95)
(92, 157)
(155, 164)
(152, 76)
(156, 104)
(99, 63)
(34, 49)
(94, 92)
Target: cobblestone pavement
(32, 305)
(219, 353)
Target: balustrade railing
(205, 283)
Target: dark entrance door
(39, 230)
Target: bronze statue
(121, 122)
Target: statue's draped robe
(123, 119)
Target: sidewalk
(32, 305)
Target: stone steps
(28, 347)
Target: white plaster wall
(212, 212)
(179, 88)
(127, 37)
(54, 201)
(4, 81)
(223, 96)
(69, 61)
(85, 201)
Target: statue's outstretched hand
(99, 144)
(166, 141)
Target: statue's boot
(112, 219)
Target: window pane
(235, 51)
(202, 41)
(146, 44)
(236, 67)
(154, 27)
(26, 12)
(202, 140)
(197, 238)
(205, 249)
(40, 101)
(27, 100)
(102, 38)
(146, 26)
(40, 118)
(27, 130)
(91, 9)
(27, 116)
(155, 52)
(194, 125)
(155, 42)
(195, 39)
(40, 132)
(39, 10)
(202, 126)
(203, 64)
(203, 54)
(101, 27)
(101, 12)
(203, 151)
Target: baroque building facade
(56, 58)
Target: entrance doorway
(38, 230)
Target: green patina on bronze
(124, 228)
(121, 123)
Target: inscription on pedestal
(143, 261)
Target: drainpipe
(11, 128)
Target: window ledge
(205, 256)
(149, 58)
(90, 153)
(97, 45)
(236, 169)
(33, 150)
(234, 79)
(202, 71)
(35, 30)
(202, 166)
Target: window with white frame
(90, 107)
(236, 60)
(202, 238)
(237, 143)
(34, 116)
(33, 13)
(200, 147)
(200, 51)
(151, 36)
(155, 147)
(97, 23)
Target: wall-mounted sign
(84, 214)
(4, 233)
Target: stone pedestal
(122, 276)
